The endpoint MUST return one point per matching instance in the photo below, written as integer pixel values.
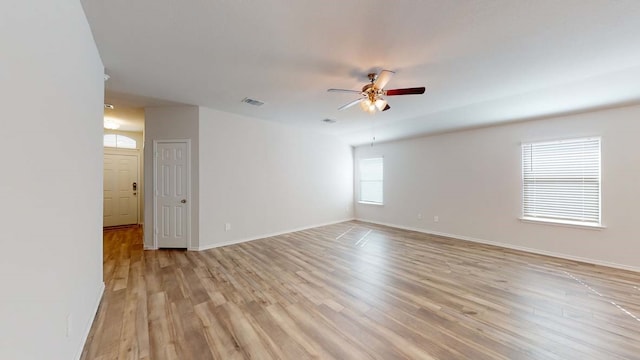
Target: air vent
(252, 102)
(328, 121)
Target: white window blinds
(371, 180)
(561, 181)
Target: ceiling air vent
(252, 102)
(328, 121)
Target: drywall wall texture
(170, 123)
(471, 180)
(264, 178)
(51, 86)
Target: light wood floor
(359, 291)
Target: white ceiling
(483, 62)
(128, 109)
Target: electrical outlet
(227, 226)
(419, 216)
(436, 218)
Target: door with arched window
(121, 181)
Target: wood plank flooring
(359, 291)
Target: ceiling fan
(373, 93)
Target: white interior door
(120, 194)
(172, 208)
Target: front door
(172, 215)
(120, 190)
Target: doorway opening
(123, 188)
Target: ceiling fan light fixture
(364, 104)
(111, 124)
(380, 104)
(368, 106)
(373, 92)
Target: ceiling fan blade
(383, 78)
(346, 106)
(407, 91)
(345, 91)
(386, 108)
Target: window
(119, 141)
(561, 181)
(371, 180)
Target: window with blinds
(561, 181)
(371, 180)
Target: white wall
(265, 178)
(472, 181)
(170, 123)
(51, 88)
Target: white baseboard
(238, 241)
(85, 335)
(149, 247)
(510, 246)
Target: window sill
(370, 203)
(562, 223)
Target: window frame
(360, 181)
(560, 221)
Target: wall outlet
(419, 216)
(436, 218)
(227, 226)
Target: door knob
(184, 201)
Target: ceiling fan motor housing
(366, 88)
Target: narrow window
(371, 180)
(561, 181)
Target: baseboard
(149, 247)
(510, 246)
(239, 241)
(85, 335)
